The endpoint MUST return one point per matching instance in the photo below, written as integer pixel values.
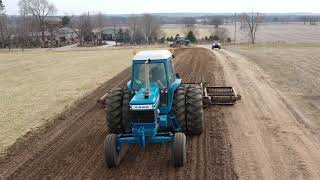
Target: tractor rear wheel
(114, 110)
(194, 109)
(111, 153)
(179, 107)
(179, 149)
(125, 110)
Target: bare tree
(3, 30)
(312, 20)
(22, 30)
(7, 33)
(135, 28)
(40, 9)
(216, 21)
(304, 19)
(189, 23)
(250, 23)
(151, 27)
(52, 26)
(3, 25)
(134, 23)
(220, 34)
(100, 22)
(115, 26)
(82, 26)
(1, 6)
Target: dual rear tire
(117, 110)
(194, 109)
(188, 108)
(114, 111)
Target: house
(66, 35)
(59, 37)
(106, 34)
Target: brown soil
(270, 137)
(71, 146)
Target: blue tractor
(156, 107)
(180, 41)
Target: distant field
(293, 32)
(35, 85)
(295, 70)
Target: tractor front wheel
(179, 149)
(111, 153)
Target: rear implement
(220, 95)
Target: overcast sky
(169, 6)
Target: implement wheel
(114, 110)
(194, 109)
(179, 107)
(179, 149)
(111, 153)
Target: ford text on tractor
(156, 107)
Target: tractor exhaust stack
(147, 78)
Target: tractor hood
(140, 102)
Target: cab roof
(152, 55)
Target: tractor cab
(153, 81)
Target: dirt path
(269, 139)
(71, 146)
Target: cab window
(171, 77)
(156, 74)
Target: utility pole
(235, 27)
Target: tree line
(36, 24)
(284, 18)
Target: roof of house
(105, 30)
(65, 30)
(152, 55)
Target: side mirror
(178, 76)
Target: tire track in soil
(71, 147)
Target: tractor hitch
(101, 102)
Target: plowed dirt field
(263, 136)
(71, 146)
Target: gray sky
(168, 6)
